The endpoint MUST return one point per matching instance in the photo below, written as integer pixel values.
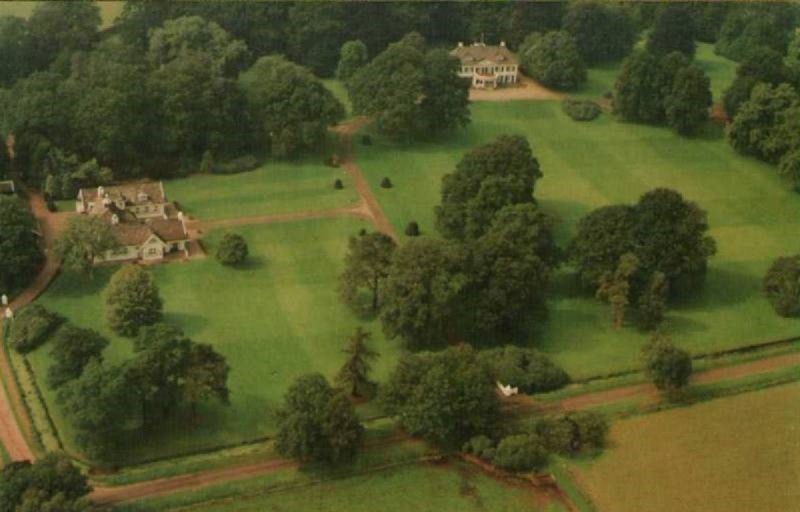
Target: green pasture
(340, 92)
(753, 215)
(735, 453)
(274, 319)
(273, 188)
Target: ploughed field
(735, 453)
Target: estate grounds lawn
(753, 215)
(421, 487)
(275, 187)
(731, 454)
(274, 319)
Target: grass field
(275, 187)
(735, 453)
(339, 91)
(754, 218)
(109, 10)
(274, 319)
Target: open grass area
(109, 10)
(338, 89)
(753, 216)
(274, 319)
(735, 453)
(275, 187)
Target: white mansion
(145, 224)
(487, 66)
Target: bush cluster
(232, 249)
(581, 110)
(527, 369)
(573, 432)
(516, 452)
(32, 326)
(782, 286)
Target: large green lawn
(274, 319)
(754, 218)
(275, 187)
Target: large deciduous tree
(602, 32)
(17, 49)
(666, 365)
(51, 484)
(352, 57)
(72, 350)
(206, 376)
(317, 422)
(688, 103)
(85, 241)
(782, 286)
(487, 179)
(132, 300)
(289, 105)
(367, 264)
(59, 28)
(423, 287)
(673, 31)
(410, 93)
(756, 129)
(353, 376)
(445, 398)
(553, 59)
(615, 287)
(759, 65)
(19, 245)
(643, 85)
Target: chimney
(183, 222)
(503, 44)
(460, 44)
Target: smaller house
(487, 66)
(147, 226)
(7, 187)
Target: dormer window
(142, 197)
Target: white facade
(487, 66)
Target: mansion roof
(133, 194)
(479, 52)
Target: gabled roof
(478, 52)
(146, 192)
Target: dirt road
(526, 89)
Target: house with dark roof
(147, 226)
(486, 65)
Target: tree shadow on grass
(252, 262)
(190, 323)
(725, 285)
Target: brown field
(109, 10)
(740, 453)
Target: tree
(19, 244)
(291, 107)
(354, 374)
(755, 129)
(232, 249)
(524, 368)
(206, 377)
(521, 452)
(759, 65)
(317, 423)
(446, 397)
(52, 479)
(60, 28)
(652, 302)
(673, 31)
(616, 288)
(602, 32)
(367, 264)
(666, 365)
(745, 29)
(16, 46)
(85, 240)
(189, 34)
(508, 274)
(132, 300)
(553, 59)
(411, 94)
(72, 350)
(793, 57)
(487, 179)
(352, 57)
(789, 167)
(643, 85)
(314, 33)
(421, 292)
(782, 286)
(602, 237)
(98, 406)
(687, 106)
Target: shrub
(667, 366)
(386, 183)
(332, 161)
(573, 432)
(480, 446)
(366, 140)
(527, 369)
(32, 326)
(241, 164)
(521, 452)
(412, 229)
(581, 110)
(232, 249)
(338, 185)
(782, 286)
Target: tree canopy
(602, 32)
(688, 103)
(367, 264)
(51, 484)
(757, 127)
(290, 106)
(782, 286)
(19, 244)
(352, 57)
(73, 348)
(553, 59)
(132, 300)
(673, 31)
(666, 365)
(85, 240)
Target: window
(152, 251)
